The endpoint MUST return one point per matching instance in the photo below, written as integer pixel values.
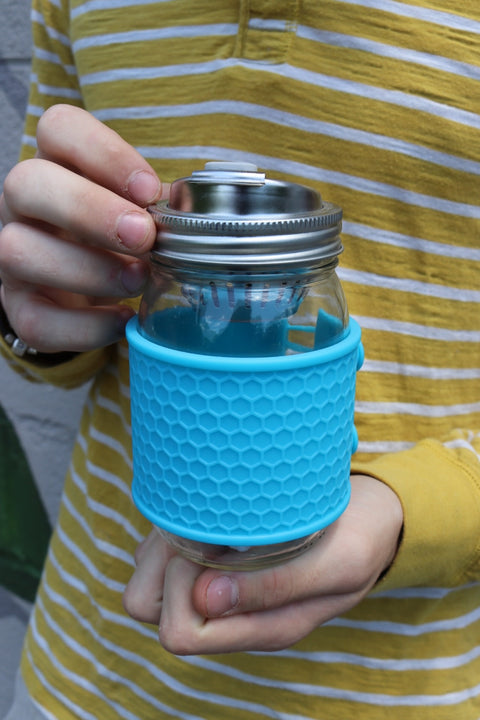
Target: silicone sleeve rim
(244, 364)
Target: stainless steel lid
(230, 216)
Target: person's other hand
(202, 611)
(75, 230)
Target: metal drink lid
(230, 216)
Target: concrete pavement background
(45, 418)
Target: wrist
(389, 516)
(21, 350)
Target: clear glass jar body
(239, 314)
(255, 557)
(243, 314)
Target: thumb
(217, 594)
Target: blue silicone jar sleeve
(242, 451)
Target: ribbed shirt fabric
(377, 105)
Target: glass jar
(242, 284)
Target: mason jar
(243, 365)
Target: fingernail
(143, 187)
(222, 596)
(132, 229)
(133, 277)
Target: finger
(184, 631)
(36, 257)
(180, 626)
(218, 594)
(43, 191)
(143, 596)
(73, 137)
(140, 549)
(153, 543)
(45, 322)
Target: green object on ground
(24, 526)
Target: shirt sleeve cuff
(440, 496)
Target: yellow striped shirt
(376, 103)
